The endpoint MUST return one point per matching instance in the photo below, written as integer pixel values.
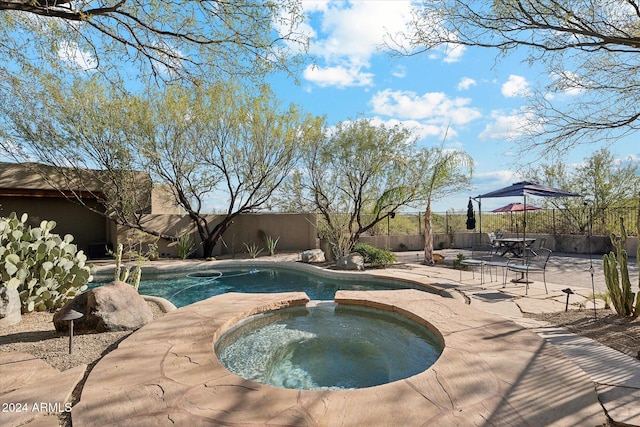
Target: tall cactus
(122, 273)
(618, 283)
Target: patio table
(513, 245)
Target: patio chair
(534, 262)
(499, 261)
(495, 245)
(480, 255)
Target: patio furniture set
(511, 254)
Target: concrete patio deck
(498, 367)
(491, 372)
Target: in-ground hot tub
(491, 371)
(326, 346)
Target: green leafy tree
(220, 139)
(197, 141)
(606, 181)
(354, 176)
(163, 39)
(588, 48)
(81, 147)
(359, 174)
(443, 172)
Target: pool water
(327, 347)
(187, 287)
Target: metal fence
(547, 221)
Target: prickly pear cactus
(45, 268)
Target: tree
(80, 146)
(354, 177)
(199, 141)
(359, 174)
(164, 38)
(589, 48)
(443, 172)
(220, 139)
(600, 178)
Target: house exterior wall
(85, 226)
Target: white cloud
(465, 83)
(510, 126)
(337, 76)
(345, 35)
(72, 53)
(515, 86)
(453, 52)
(400, 71)
(570, 83)
(418, 129)
(432, 106)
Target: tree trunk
(428, 236)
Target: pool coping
(491, 371)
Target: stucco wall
(297, 232)
(86, 227)
(576, 244)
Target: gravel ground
(36, 335)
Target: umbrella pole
(524, 231)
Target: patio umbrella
(524, 189)
(516, 207)
(471, 216)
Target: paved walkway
(616, 376)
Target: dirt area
(606, 327)
(36, 335)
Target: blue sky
(481, 101)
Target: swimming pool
(188, 286)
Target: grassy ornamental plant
(45, 268)
(616, 274)
(253, 250)
(271, 244)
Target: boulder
(113, 307)
(313, 255)
(353, 261)
(10, 307)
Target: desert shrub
(253, 250)
(271, 244)
(185, 245)
(45, 268)
(375, 256)
(457, 263)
